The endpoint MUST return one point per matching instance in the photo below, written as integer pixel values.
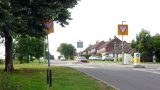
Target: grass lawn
(33, 77)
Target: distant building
(112, 47)
(93, 49)
(108, 46)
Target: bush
(86, 56)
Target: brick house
(86, 51)
(108, 46)
(93, 49)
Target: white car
(82, 59)
(95, 58)
(107, 58)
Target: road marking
(73, 65)
(82, 66)
(148, 70)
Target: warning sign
(49, 24)
(122, 29)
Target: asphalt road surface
(123, 77)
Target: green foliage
(156, 46)
(25, 18)
(143, 44)
(29, 48)
(86, 55)
(68, 50)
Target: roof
(105, 44)
(88, 48)
(127, 48)
(97, 45)
(108, 42)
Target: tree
(156, 46)
(24, 17)
(68, 50)
(28, 47)
(143, 44)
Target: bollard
(49, 77)
(136, 58)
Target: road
(123, 77)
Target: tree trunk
(8, 53)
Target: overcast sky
(98, 19)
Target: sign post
(49, 24)
(122, 30)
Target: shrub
(86, 56)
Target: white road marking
(74, 65)
(149, 70)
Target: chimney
(115, 37)
(109, 39)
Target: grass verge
(33, 77)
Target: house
(118, 50)
(86, 51)
(108, 46)
(93, 49)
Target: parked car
(82, 59)
(98, 58)
(107, 58)
(92, 57)
(95, 58)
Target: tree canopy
(143, 44)
(27, 48)
(156, 46)
(25, 17)
(68, 50)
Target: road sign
(50, 25)
(79, 44)
(136, 58)
(122, 29)
(137, 55)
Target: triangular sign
(123, 28)
(48, 25)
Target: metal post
(49, 71)
(48, 53)
(122, 51)
(115, 44)
(122, 47)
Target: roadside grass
(33, 77)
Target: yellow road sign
(123, 29)
(50, 25)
